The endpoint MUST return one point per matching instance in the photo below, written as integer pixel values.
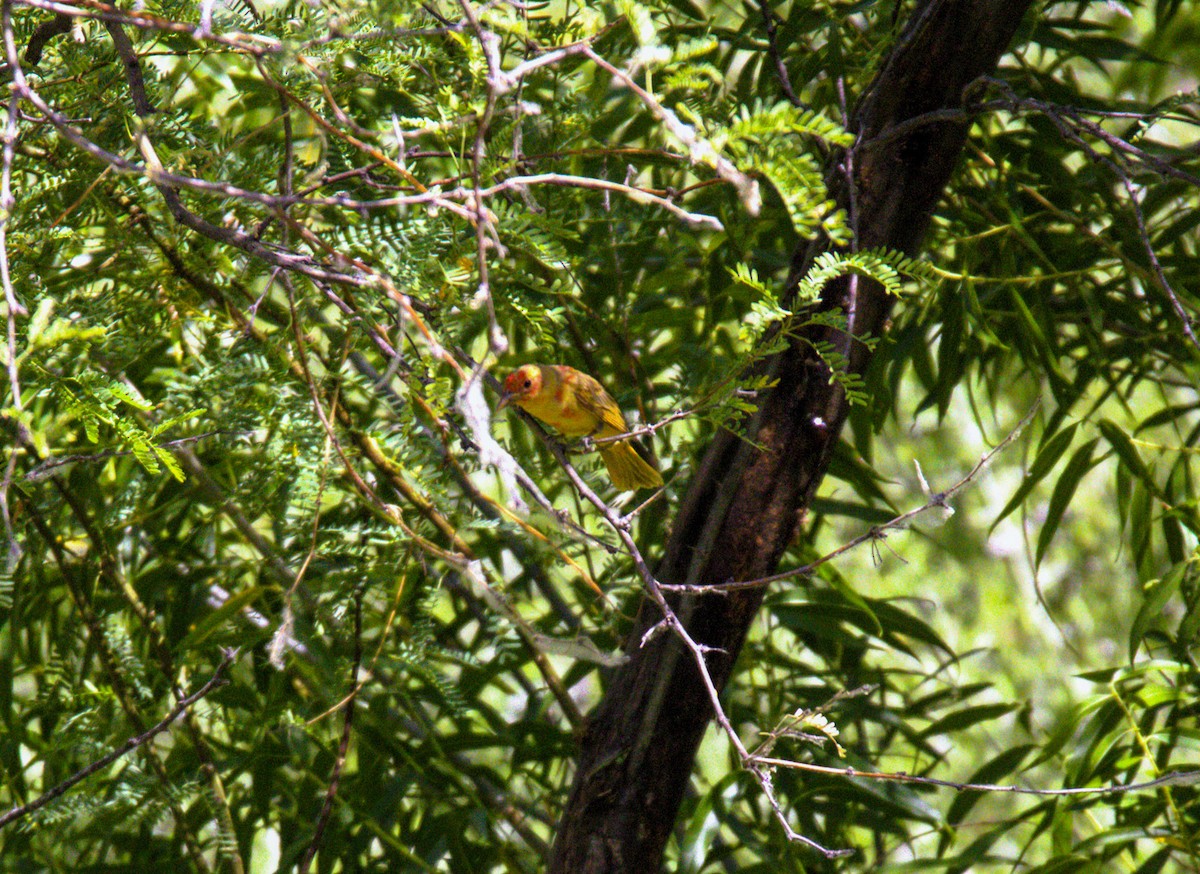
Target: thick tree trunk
(743, 507)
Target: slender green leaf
(1051, 452)
(1130, 457)
(1068, 481)
(1155, 596)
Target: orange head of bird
(524, 382)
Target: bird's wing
(594, 399)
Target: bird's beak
(505, 400)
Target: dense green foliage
(239, 411)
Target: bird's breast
(562, 412)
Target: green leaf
(129, 396)
(1155, 596)
(164, 426)
(144, 452)
(1189, 625)
(1034, 331)
(852, 596)
(170, 462)
(1130, 457)
(1170, 414)
(1155, 863)
(1141, 528)
(993, 772)
(91, 426)
(218, 618)
(1068, 481)
(950, 357)
(899, 622)
(852, 510)
(966, 718)
(704, 823)
(1051, 452)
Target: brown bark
(744, 505)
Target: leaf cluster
(280, 459)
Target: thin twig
(49, 467)
(13, 551)
(781, 73)
(938, 499)
(699, 150)
(461, 559)
(1174, 778)
(379, 647)
(489, 44)
(517, 73)
(1155, 265)
(344, 746)
(642, 430)
(131, 744)
(12, 309)
(637, 195)
(253, 44)
(12, 306)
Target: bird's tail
(627, 469)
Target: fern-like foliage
(232, 417)
(883, 266)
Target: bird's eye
(529, 383)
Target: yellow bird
(576, 405)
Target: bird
(576, 405)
